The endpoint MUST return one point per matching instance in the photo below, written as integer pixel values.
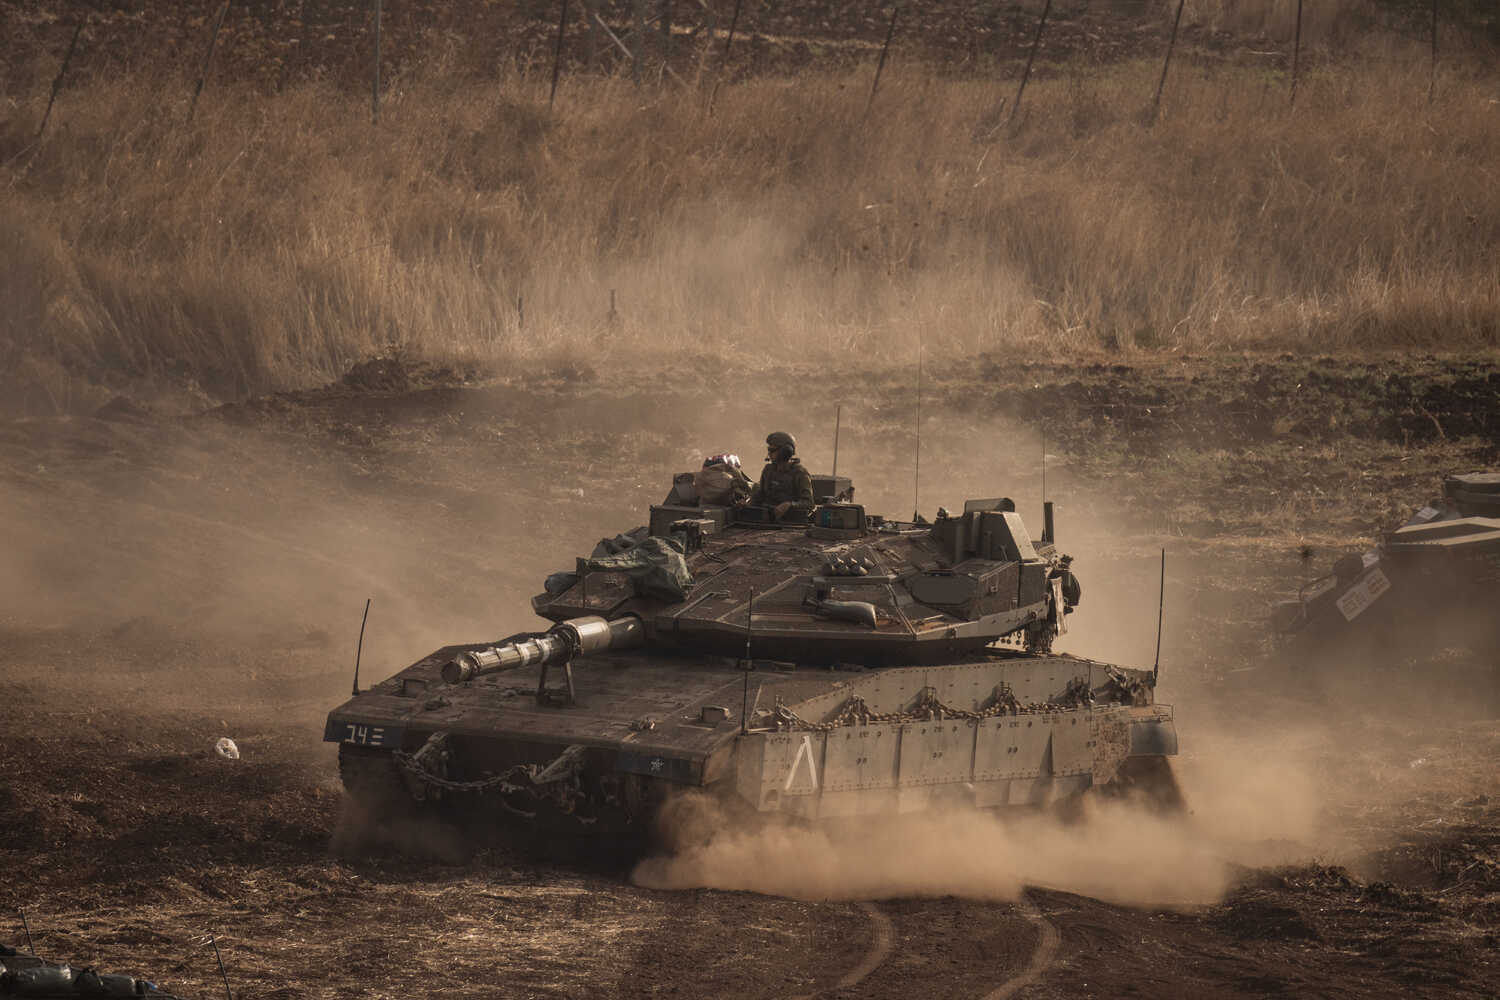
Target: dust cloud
(223, 570)
(1240, 812)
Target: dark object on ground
(26, 975)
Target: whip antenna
(1160, 603)
(749, 627)
(916, 486)
(220, 960)
(361, 646)
(26, 924)
(837, 419)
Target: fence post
(375, 77)
(880, 66)
(734, 20)
(666, 32)
(57, 81)
(640, 41)
(1156, 102)
(1296, 53)
(207, 57)
(592, 41)
(1031, 58)
(1432, 70)
(562, 24)
(711, 32)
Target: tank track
(372, 778)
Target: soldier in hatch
(784, 484)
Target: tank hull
(995, 730)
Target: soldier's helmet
(777, 440)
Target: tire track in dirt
(880, 947)
(882, 940)
(1047, 943)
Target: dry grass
(275, 240)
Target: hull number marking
(369, 736)
(1363, 594)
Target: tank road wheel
(1148, 780)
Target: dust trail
(1118, 854)
(1241, 812)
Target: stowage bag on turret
(657, 568)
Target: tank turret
(839, 586)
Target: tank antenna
(220, 959)
(27, 926)
(1044, 465)
(749, 627)
(360, 648)
(1160, 603)
(916, 485)
(837, 420)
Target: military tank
(1432, 580)
(827, 663)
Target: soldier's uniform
(784, 482)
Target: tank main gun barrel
(563, 641)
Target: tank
(1429, 583)
(832, 663)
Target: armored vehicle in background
(1434, 580)
(835, 664)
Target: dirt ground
(169, 580)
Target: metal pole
(360, 648)
(1296, 52)
(375, 79)
(1031, 58)
(879, 66)
(1161, 601)
(1432, 75)
(733, 20)
(207, 57)
(639, 41)
(916, 476)
(562, 24)
(666, 32)
(591, 42)
(227, 994)
(57, 83)
(838, 416)
(1156, 102)
(749, 628)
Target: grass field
(275, 239)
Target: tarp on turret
(657, 568)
